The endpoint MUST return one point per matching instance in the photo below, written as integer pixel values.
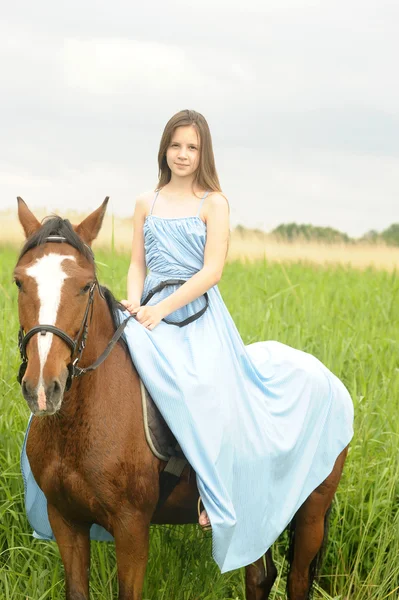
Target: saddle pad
(159, 437)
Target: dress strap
(201, 203)
(153, 202)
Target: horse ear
(27, 219)
(88, 229)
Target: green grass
(347, 318)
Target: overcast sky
(302, 98)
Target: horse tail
(315, 565)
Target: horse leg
(309, 534)
(131, 535)
(74, 544)
(259, 577)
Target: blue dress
(261, 425)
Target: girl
(261, 425)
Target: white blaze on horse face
(49, 276)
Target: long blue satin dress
(261, 425)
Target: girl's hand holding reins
(131, 307)
(148, 316)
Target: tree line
(294, 231)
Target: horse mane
(55, 225)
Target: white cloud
(301, 97)
(113, 66)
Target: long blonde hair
(206, 176)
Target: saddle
(163, 445)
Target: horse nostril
(57, 387)
(27, 388)
(54, 388)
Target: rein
(73, 344)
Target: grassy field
(348, 318)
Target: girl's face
(183, 153)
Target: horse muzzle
(46, 398)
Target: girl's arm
(218, 229)
(137, 269)
(217, 221)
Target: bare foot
(203, 519)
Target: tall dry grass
(252, 247)
(247, 246)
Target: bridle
(74, 345)
(78, 344)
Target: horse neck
(100, 332)
(92, 399)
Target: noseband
(76, 347)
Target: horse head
(56, 278)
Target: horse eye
(18, 283)
(86, 288)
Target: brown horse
(86, 445)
